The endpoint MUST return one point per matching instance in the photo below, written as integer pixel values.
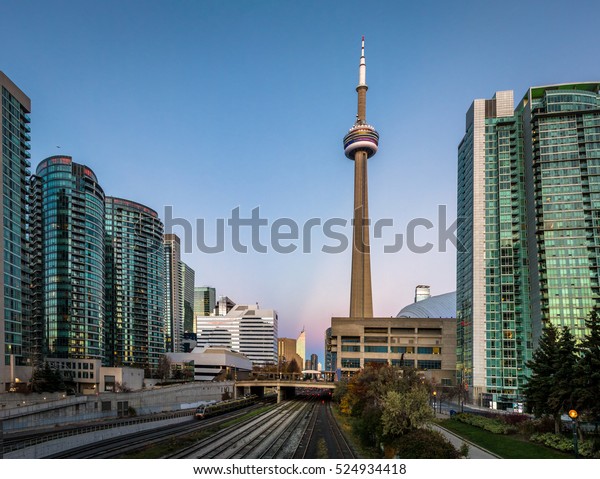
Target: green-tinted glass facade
(15, 325)
(464, 260)
(508, 333)
(135, 330)
(204, 301)
(564, 156)
(529, 204)
(68, 248)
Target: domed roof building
(440, 306)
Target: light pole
(573, 416)
(434, 401)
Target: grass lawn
(506, 446)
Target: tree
(368, 394)
(423, 444)
(561, 398)
(405, 412)
(293, 367)
(540, 384)
(46, 379)
(163, 369)
(587, 389)
(551, 389)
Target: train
(209, 410)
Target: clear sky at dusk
(207, 106)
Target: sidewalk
(475, 452)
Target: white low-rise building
(210, 362)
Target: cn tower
(360, 144)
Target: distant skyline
(209, 106)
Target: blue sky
(207, 106)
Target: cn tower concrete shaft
(361, 143)
(361, 296)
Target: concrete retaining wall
(53, 447)
(75, 409)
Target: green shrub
(563, 443)
(464, 450)
(495, 426)
(423, 444)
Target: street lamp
(573, 416)
(434, 400)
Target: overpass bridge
(284, 385)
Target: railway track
(344, 447)
(308, 432)
(128, 443)
(284, 431)
(252, 438)
(324, 427)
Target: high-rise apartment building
(68, 263)
(179, 290)
(561, 131)
(187, 297)
(173, 306)
(527, 195)
(15, 325)
(205, 300)
(134, 285)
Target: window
(376, 339)
(351, 349)
(376, 349)
(427, 364)
(350, 362)
(403, 349)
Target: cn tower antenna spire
(362, 69)
(361, 143)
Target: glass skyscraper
(67, 217)
(562, 155)
(528, 230)
(15, 326)
(205, 299)
(134, 331)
